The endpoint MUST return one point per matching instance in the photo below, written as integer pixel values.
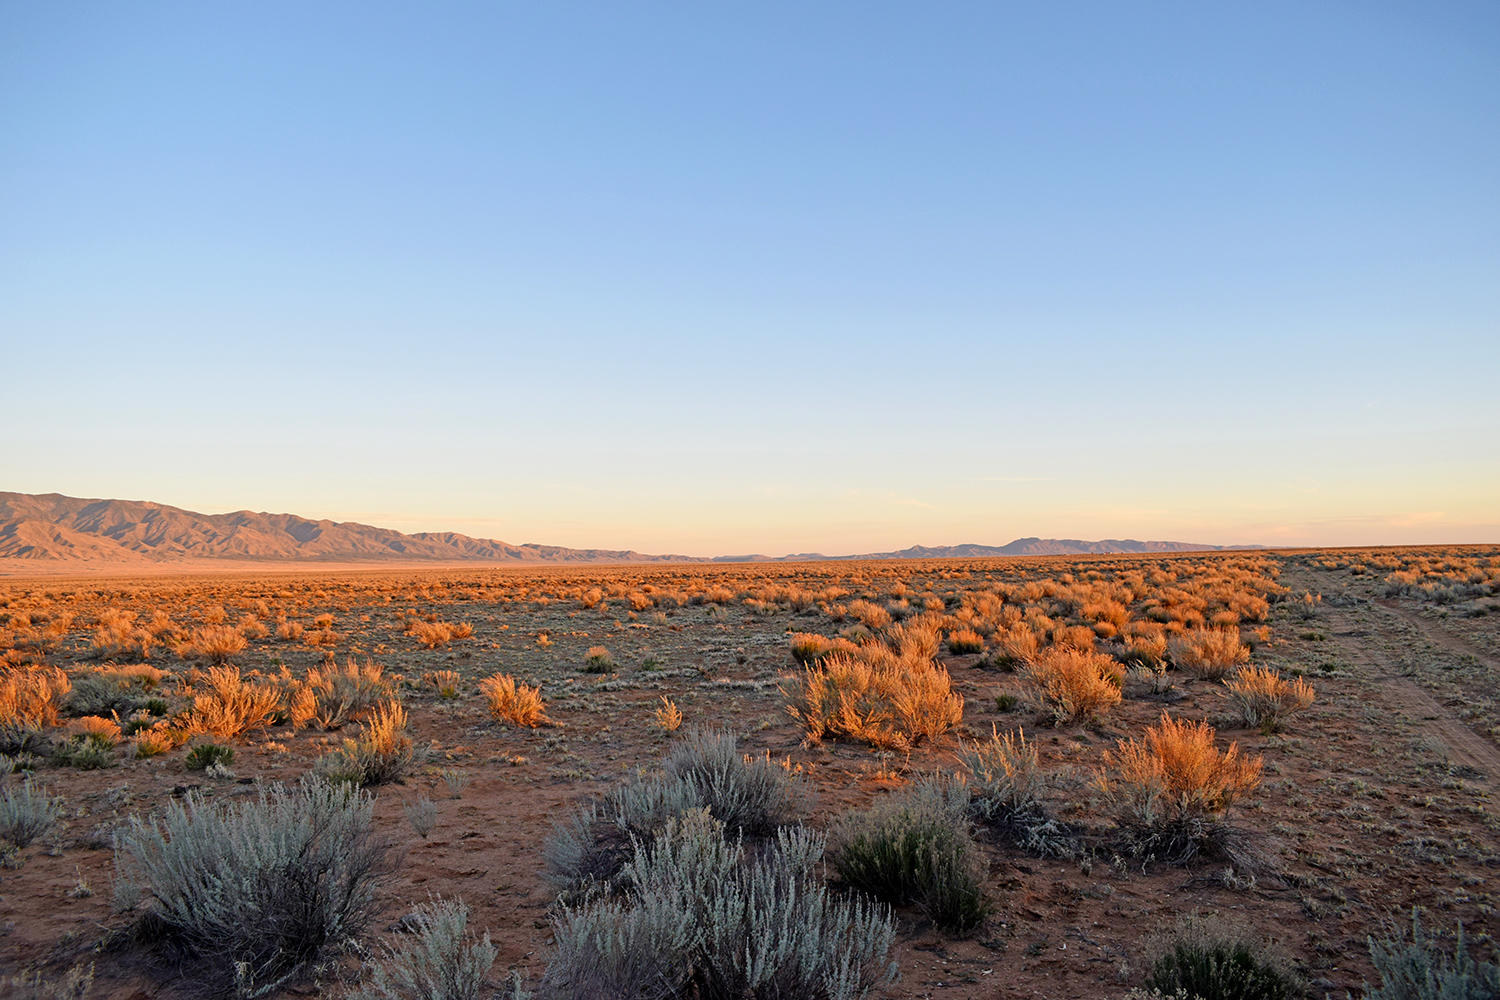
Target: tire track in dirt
(1465, 747)
(1437, 635)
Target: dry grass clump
(30, 698)
(1170, 790)
(1208, 653)
(96, 728)
(1071, 684)
(518, 704)
(872, 616)
(668, 716)
(809, 647)
(1016, 645)
(233, 706)
(1264, 699)
(434, 635)
(383, 752)
(444, 682)
(598, 661)
(117, 636)
(964, 641)
(155, 740)
(331, 695)
(213, 643)
(252, 627)
(875, 697)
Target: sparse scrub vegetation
(439, 960)
(698, 917)
(243, 897)
(1208, 653)
(1170, 789)
(1415, 966)
(1264, 699)
(1070, 684)
(917, 847)
(232, 706)
(518, 704)
(383, 752)
(26, 813)
(1380, 798)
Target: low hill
(53, 530)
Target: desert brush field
(1086, 777)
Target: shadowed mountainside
(53, 528)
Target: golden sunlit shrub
(213, 643)
(154, 741)
(291, 631)
(30, 698)
(874, 697)
(444, 682)
(718, 595)
(321, 638)
(1016, 644)
(1264, 699)
(232, 706)
(598, 661)
(251, 627)
(116, 636)
(871, 615)
(1208, 653)
(638, 601)
(1072, 684)
(383, 752)
(332, 695)
(591, 598)
(1147, 650)
(1170, 790)
(965, 641)
(1078, 637)
(668, 716)
(518, 704)
(215, 614)
(105, 732)
(808, 647)
(432, 635)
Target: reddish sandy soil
(1379, 797)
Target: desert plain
(1370, 792)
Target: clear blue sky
(774, 277)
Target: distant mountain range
(53, 529)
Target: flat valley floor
(1378, 797)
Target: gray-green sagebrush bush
(1419, 967)
(26, 812)
(751, 796)
(698, 917)
(439, 960)
(917, 846)
(245, 896)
